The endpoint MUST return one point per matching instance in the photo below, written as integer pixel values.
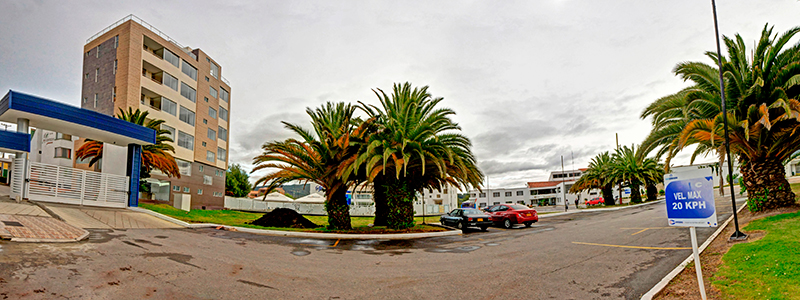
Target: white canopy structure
(311, 198)
(275, 197)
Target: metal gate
(17, 178)
(60, 184)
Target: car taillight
(469, 219)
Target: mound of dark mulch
(284, 217)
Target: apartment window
(97, 54)
(86, 76)
(221, 154)
(212, 134)
(210, 156)
(114, 94)
(215, 70)
(222, 133)
(199, 191)
(496, 194)
(483, 195)
(171, 131)
(96, 74)
(61, 136)
(115, 66)
(170, 81)
(186, 189)
(176, 188)
(187, 116)
(533, 193)
(63, 153)
(116, 41)
(85, 99)
(223, 94)
(212, 91)
(520, 193)
(206, 78)
(171, 58)
(204, 144)
(95, 100)
(205, 121)
(188, 92)
(169, 106)
(205, 98)
(207, 179)
(223, 113)
(508, 194)
(220, 173)
(212, 112)
(184, 167)
(189, 70)
(185, 140)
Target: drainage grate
(13, 223)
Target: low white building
(539, 193)
(52, 148)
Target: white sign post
(690, 203)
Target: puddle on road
(468, 248)
(492, 244)
(300, 252)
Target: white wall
(115, 159)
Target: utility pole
(563, 186)
(619, 187)
(737, 235)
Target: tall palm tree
(761, 89)
(416, 146)
(632, 170)
(318, 156)
(155, 156)
(599, 175)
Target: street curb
(396, 236)
(599, 209)
(48, 211)
(35, 240)
(664, 281)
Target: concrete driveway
(106, 218)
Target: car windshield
(519, 207)
(472, 212)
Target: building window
(184, 167)
(188, 92)
(200, 167)
(116, 41)
(61, 136)
(85, 100)
(97, 54)
(170, 81)
(199, 191)
(496, 194)
(508, 194)
(169, 106)
(185, 140)
(205, 121)
(204, 144)
(63, 153)
(520, 193)
(115, 66)
(96, 74)
(171, 58)
(176, 188)
(171, 131)
(206, 78)
(114, 94)
(187, 116)
(212, 112)
(205, 98)
(207, 179)
(189, 70)
(223, 94)
(215, 70)
(222, 133)
(212, 91)
(221, 154)
(210, 156)
(223, 113)
(186, 189)
(483, 195)
(212, 134)
(219, 173)
(95, 100)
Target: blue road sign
(690, 197)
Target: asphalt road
(597, 255)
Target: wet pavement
(595, 255)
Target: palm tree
(318, 156)
(764, 114)
(155, 156)
(632, 170)
(415, 146)
(599, 175)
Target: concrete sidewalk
(106, 218)
(27, 222)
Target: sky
(530, 81)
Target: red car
(595, 201)
(509, 214)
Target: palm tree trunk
(719, 172)
(381, 205)
(636, 195)
(608, 194)
(766, 184)
(400, 202)
(338, 210)
(652, 192)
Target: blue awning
(56, 116)
(11, 141)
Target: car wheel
(528, 224)
(483, 228)
(507, 224)
(460, 225)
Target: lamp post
(737, 235)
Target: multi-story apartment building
(131, 64)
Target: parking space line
(634, 247)
(334, 244)
(640, 231)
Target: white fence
(52, 183)
(248, 204)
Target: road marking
(634, 247)
(640, 231)
(647, 227)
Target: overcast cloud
(530, 81)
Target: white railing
(52, 183)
